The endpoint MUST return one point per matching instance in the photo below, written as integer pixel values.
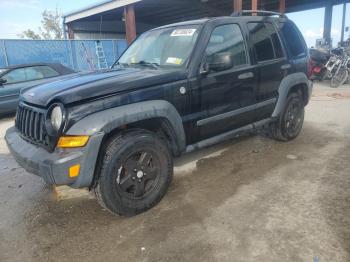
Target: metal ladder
(101, 58)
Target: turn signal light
(74, 171)
(72, 141)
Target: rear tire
(290, 123)
(136, 172)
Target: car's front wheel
(289, 125)
(135, 174)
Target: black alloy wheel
(135, 173)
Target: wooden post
(237, 5)
(282, 6)
(130, 24)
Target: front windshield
(167, 47)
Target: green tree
(50, 27)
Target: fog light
(74, 171)
(72, 141)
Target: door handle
(245, 76)
(286, 67)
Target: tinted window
(17, 75)
(227, 39)
(265, 41)
(293, 40)
(29, 74)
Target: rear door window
(264, 39)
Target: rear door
(272, 64)
(227, 97)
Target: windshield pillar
(130, 24)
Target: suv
(177, 88)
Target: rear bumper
(54, 167)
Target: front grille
(30, 122)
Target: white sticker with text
(183, 32)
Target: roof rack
(258, 12)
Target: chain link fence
(80, 55)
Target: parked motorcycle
(319, 60)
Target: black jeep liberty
(177, 88)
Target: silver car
(15, 78)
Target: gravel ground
(250, 199)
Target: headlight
(56, 117)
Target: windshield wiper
(144, 63)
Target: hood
(86, 86)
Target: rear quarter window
(293, 39)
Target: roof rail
(258, 12)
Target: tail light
(310, 67)
(316, 69)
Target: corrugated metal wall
(77, 54)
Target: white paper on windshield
(174, 60)
(183, 32)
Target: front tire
(290, 123)
(136, 172)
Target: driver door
(9, 91)
(228, 96)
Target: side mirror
(218, 62)
(2, 81)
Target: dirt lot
(251, 199)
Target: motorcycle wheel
(340, 77)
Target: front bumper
(54, 167)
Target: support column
(328, 23)
(282, 7)
(255, 5)
(130, 24)
(343, 24)
(70, 32)
(237, 5)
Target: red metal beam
(282, 7)
(70, 32)
(254, 6)
(237, 5)
(130, 23)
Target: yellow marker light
(72, 141)
(74, 171)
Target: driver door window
(227, 39)
(15, 76)
(29, 74)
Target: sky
(18, 15)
